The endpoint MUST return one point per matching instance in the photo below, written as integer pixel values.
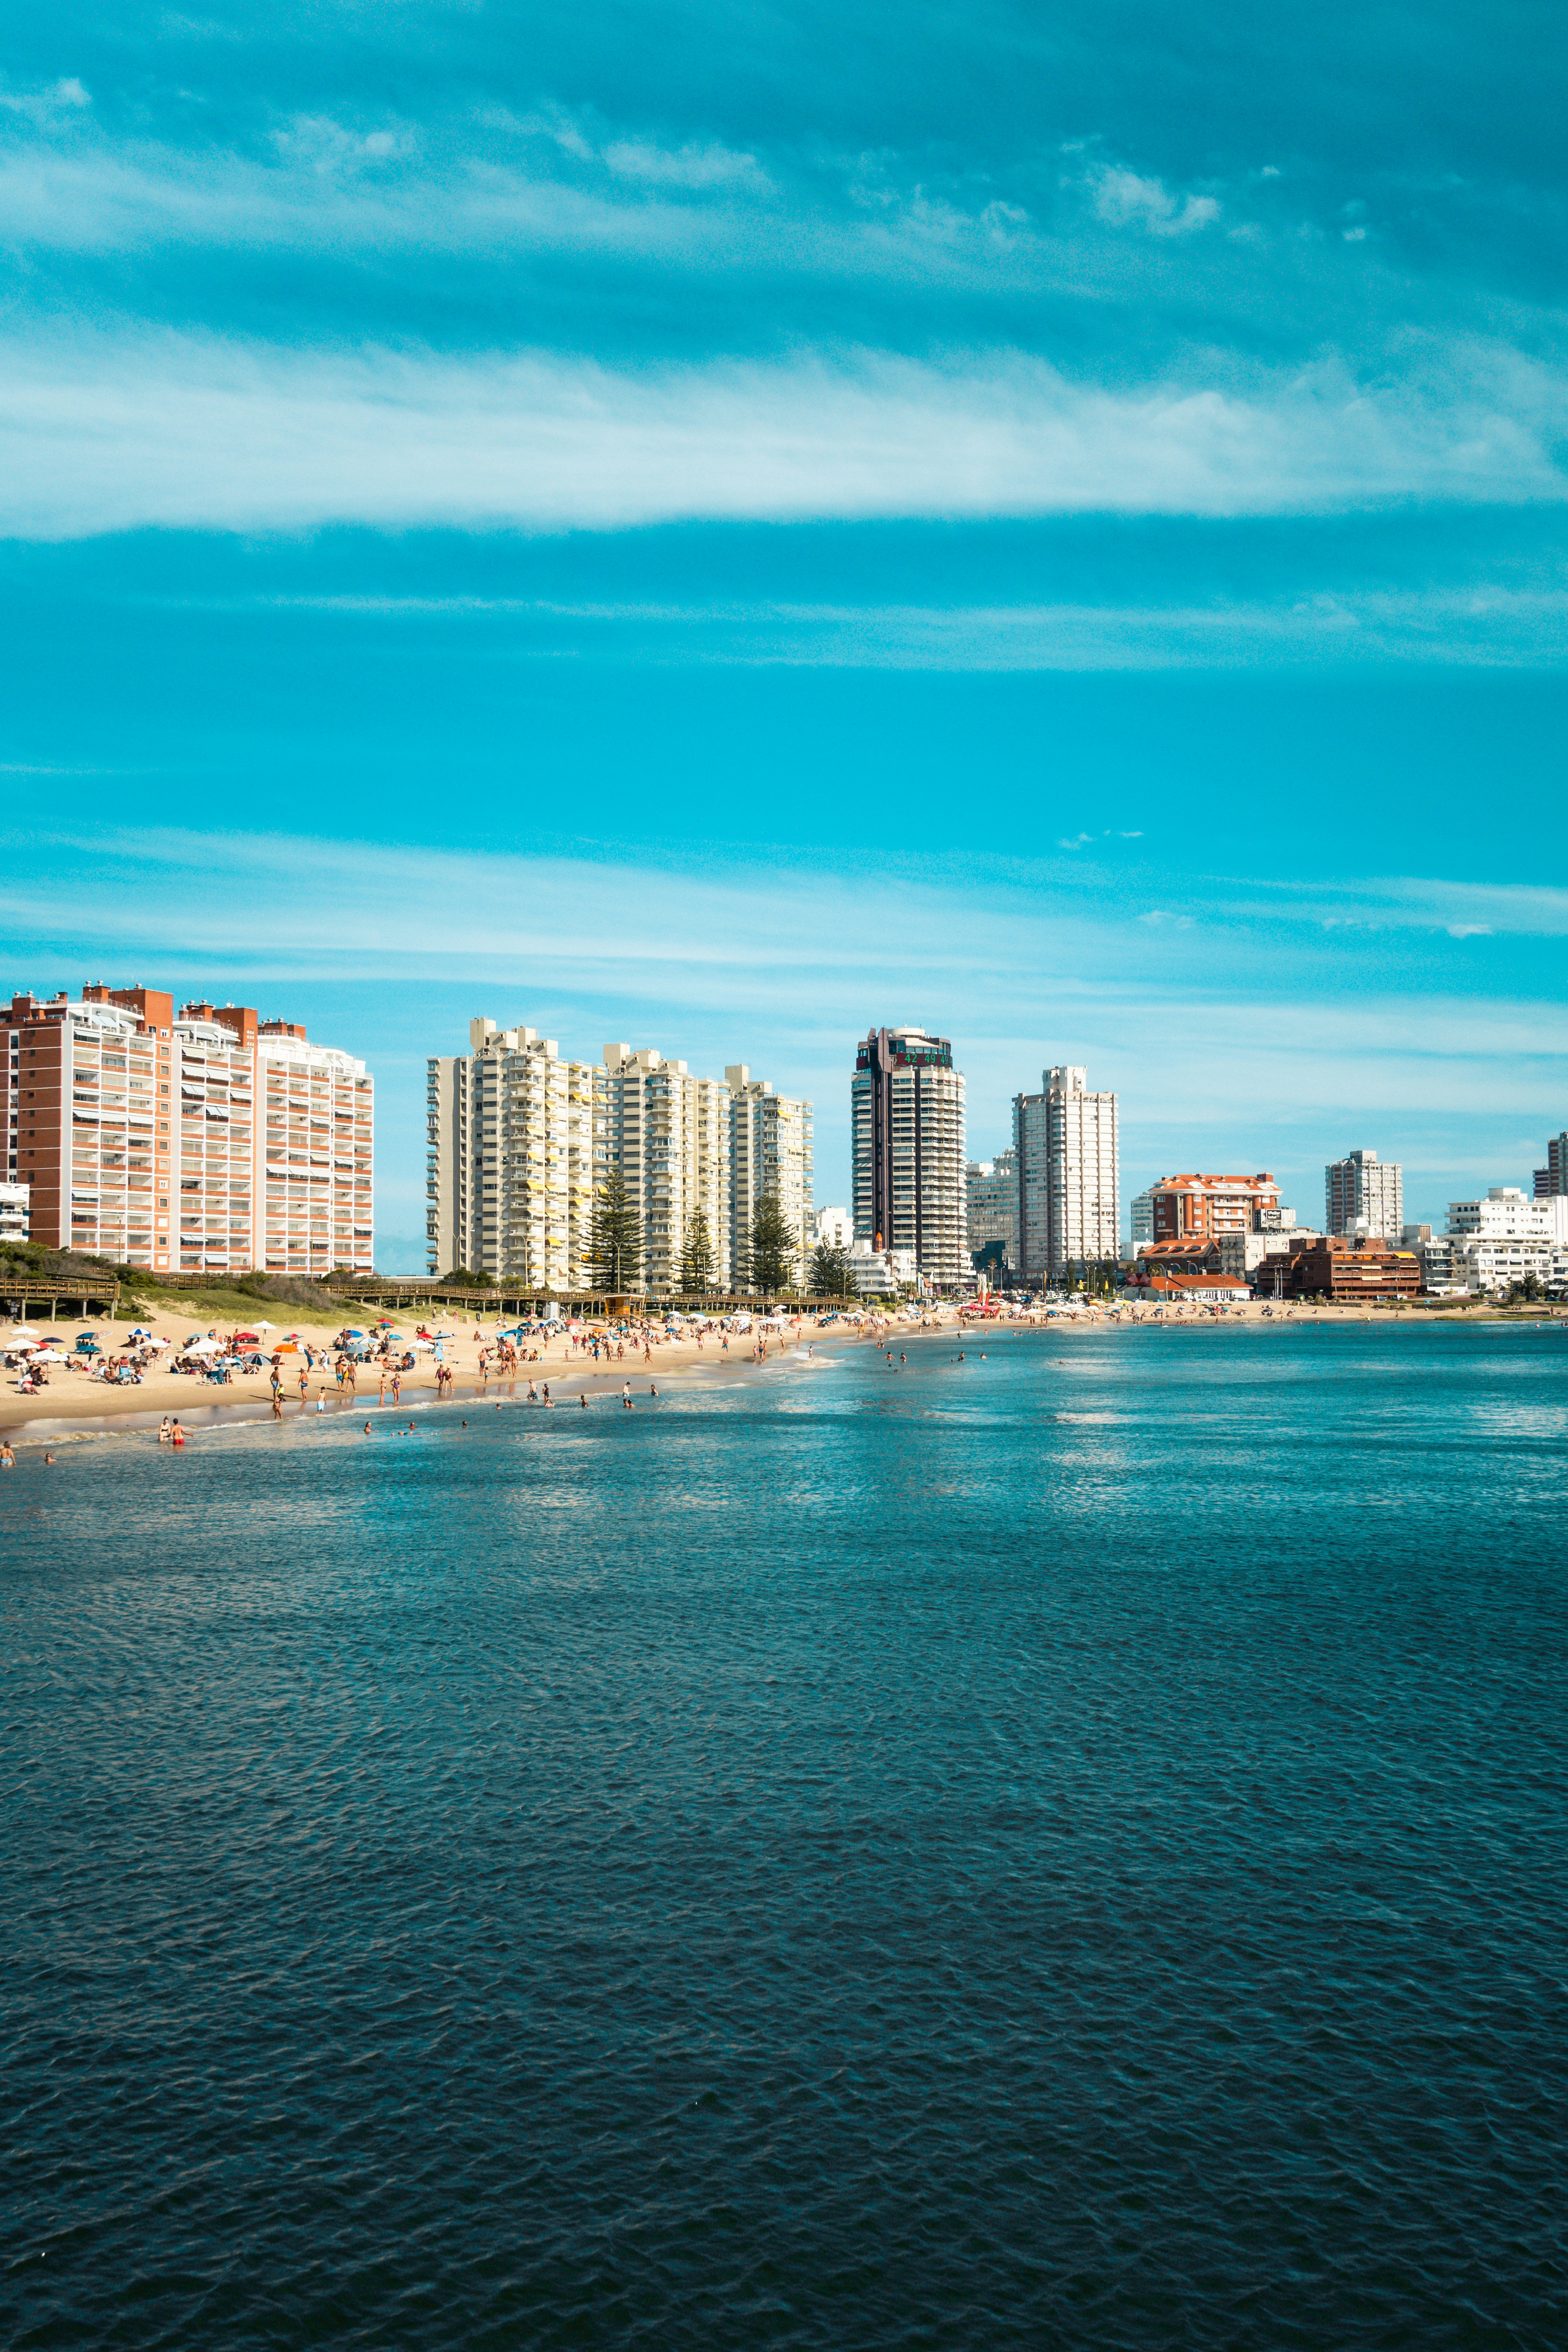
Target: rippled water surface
(1065, 1849)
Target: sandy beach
(73, 1401)
(74, 1404)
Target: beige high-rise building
(771, 1152)
(1363, 1194)
(511, 1160)
(1066, 1142)
(668, 1133)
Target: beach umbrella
(202, 1348)
(264, 1326)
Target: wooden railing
(18, 1291)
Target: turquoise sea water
(1065, 1849)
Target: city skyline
(757, 528)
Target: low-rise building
(1506, 1214)
(882, 1273)
(13, 1199)
(1338, 1269)
(1254, 1257)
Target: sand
(72, 1403)
(73, 1400)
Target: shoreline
(72, 1410)
(70, 1414)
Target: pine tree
(614, 1237)
(830, 1274)
(776, 1249)
(698, 1265)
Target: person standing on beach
(397, 1386)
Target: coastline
(73, 1407)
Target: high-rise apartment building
(907, 1119)
(1553, 1179)
(992, 1191)
(771, 1152)
(1066, 1142)
(1196, 1208)
(520, 1142)
(1363, 1194)
(207, 1140)
(1141, 1221)
(509, 1166)
(670, 1135)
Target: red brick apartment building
(1336, 1269)
(1195, 1209)
(197, 1140)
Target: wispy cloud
(102, 433)
(741, 961)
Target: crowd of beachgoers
(70, 1372)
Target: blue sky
(720, 526)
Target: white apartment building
(203, 1141)
(771, 1151)
(1508, 1213)
(13, 1199)
(1064, 1138)
(834, 1226)
(1498, 1240)
(521, 1142)
(670, 1135)
(1363, 1194)
(511, 1163)
(906, 1127)
(992, 1192)
(882, 1273)
(315, 1144)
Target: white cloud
(1125, 198)
(692, 166)
(1264, 1044)
(44, 108)
(103, 432)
